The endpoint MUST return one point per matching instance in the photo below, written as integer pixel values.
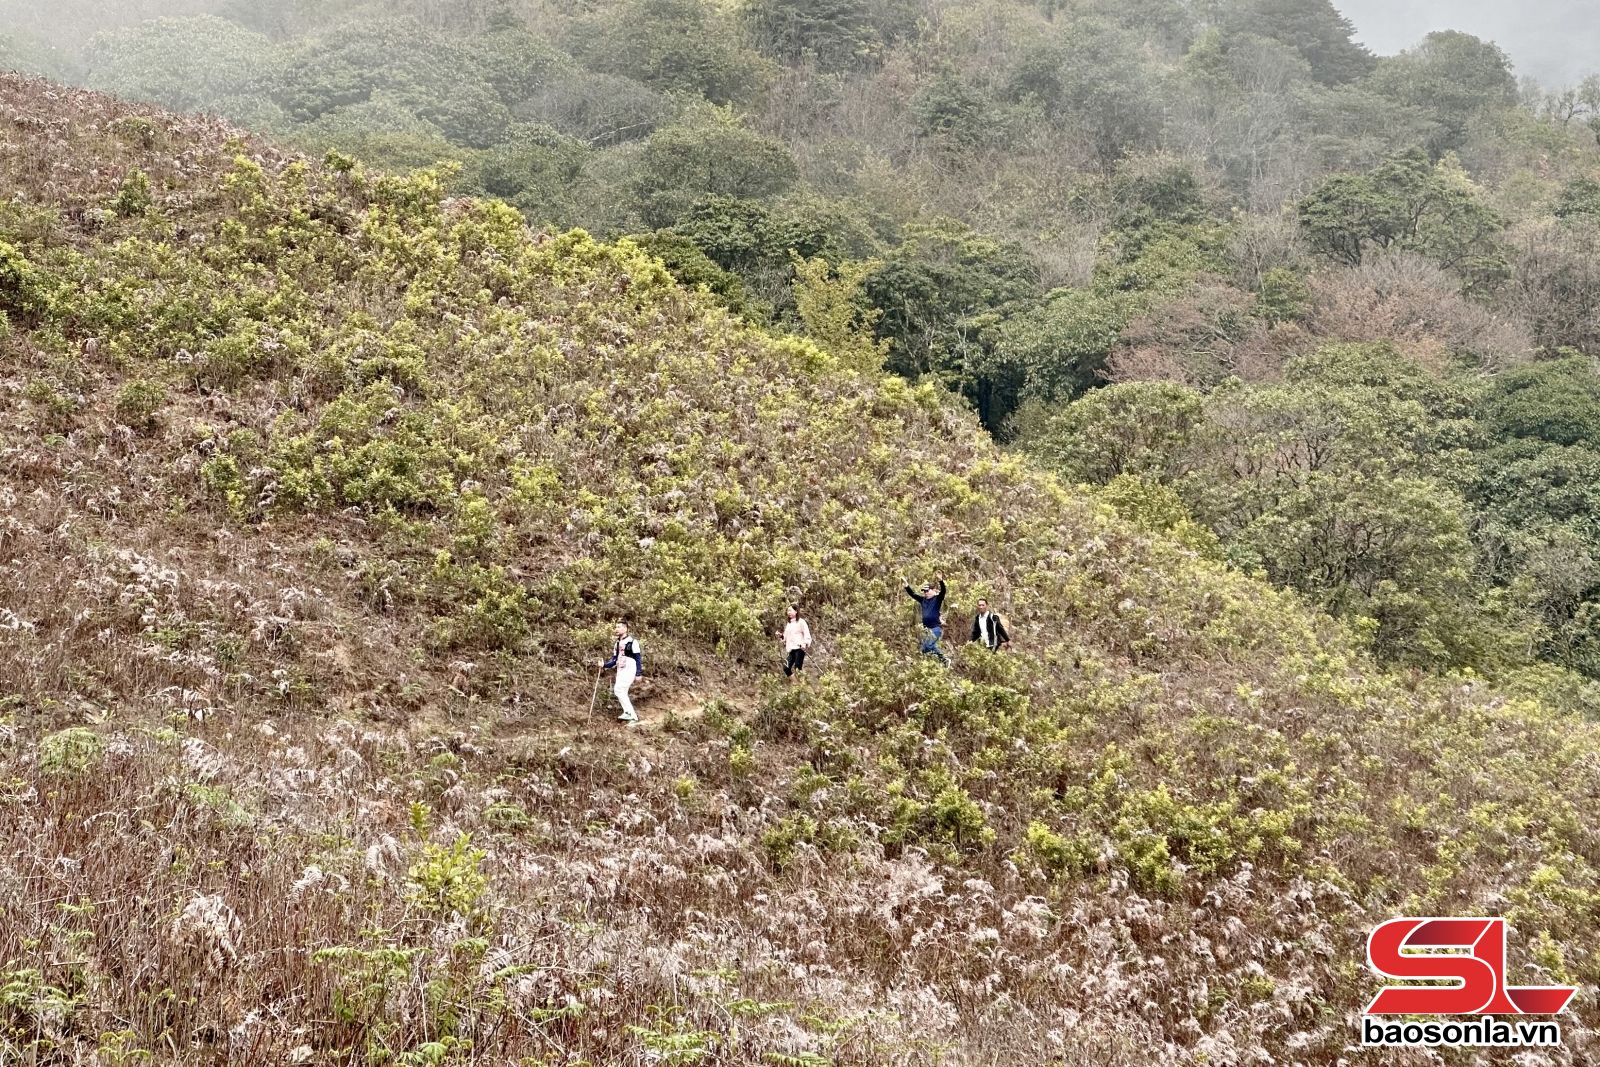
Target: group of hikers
(987, 626)
(988, 629)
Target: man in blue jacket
(932, 604)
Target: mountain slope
(320, 490)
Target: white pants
(626, 671)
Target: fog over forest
(1554, 41)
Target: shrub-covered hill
(318, 490)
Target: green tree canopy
(1059, 348)
(1557, 402)
(189, 64)
(1454, 77)
(1093, 79)
(1146, 429)
(684, 45)
(1313, 28)
(953, 114)
(19, 51)
(1580, 199)
(835, 34)
(943, 272)
(709, 154)
(1406, 203)
(1343, 481)
(535, 168)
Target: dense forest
(1344, 304)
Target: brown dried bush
(1403, 298)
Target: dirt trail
(559, 714)
(658, 702)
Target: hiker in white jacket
(796, 639)
(627, 660)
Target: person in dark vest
(989, 628)
(931, 603)
(628, 661)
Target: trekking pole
(598, 671)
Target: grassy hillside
(979, 155)
(1039, 197)
(318, 491)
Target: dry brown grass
(70, 149)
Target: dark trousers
(796, 662)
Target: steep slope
(319, 492)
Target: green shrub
(31, 1006)
(221, 803)
(22, 289)
(71, 751)
(133, 195)
(363, 979)
(956, 817)
(780, 842)
(509, 817)
(1283, 296)
(221, 475)
(950, 819)
(741, 761)
(1159, 509)
(136, 130)
(56, 403)
(138, 403)
(448, 879)
(1057, 854)
(245, 350)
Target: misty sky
(1556, 41)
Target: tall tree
(682, 45)
(835, 34)
(1453, 76)
(1407, 203)
(1314, 28)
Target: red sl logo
(1477, 969)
